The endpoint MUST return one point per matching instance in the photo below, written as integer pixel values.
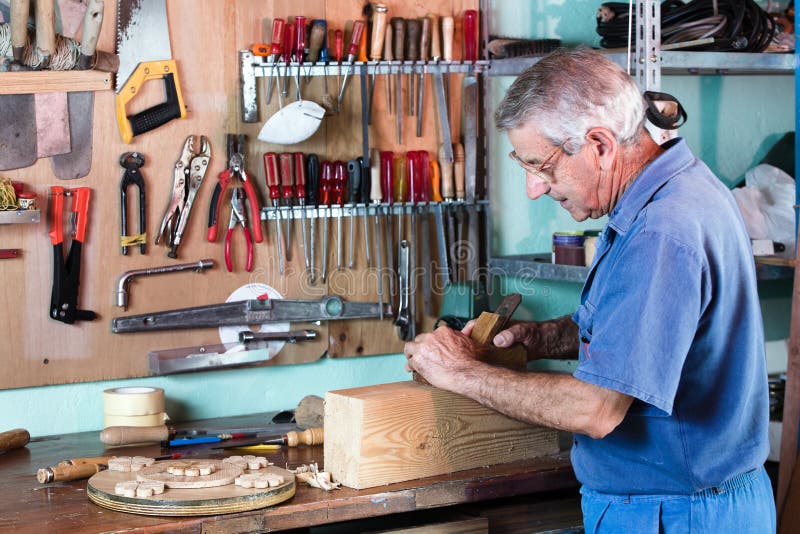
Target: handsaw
(52, 114)
(78, 161)
(18, 127)
(145, 54)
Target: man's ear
(604, 144)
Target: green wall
(732, 123)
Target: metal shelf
(539, 266)
(678, 62)
(20, 216)
(536, 266)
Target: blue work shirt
(670, 316)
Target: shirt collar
(676, 157)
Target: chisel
(399, 36)
(413, 31)
(379, 16)
(448, 28)
(14, 439)
(388, 57)
(424, 54)
(441, 242)
(352, 53)
(80, 468)
(387, 189)
(309, 436)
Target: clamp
(190, 169)
(132, 162)
(235, 170)
(66, 275)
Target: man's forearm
(554, 400)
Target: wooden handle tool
(45, 31)
(125, 435)
(20, 10)
(64, 472)
(14, 439)
(378, 31)
(309, 436)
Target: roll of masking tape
(134, 401)
(153, 419)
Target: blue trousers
(742, 505)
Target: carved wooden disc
(189, 501)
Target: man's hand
(549, 339)
(442, 357)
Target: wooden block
(390, 433)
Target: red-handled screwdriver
(338, 190)
(325, 186)
(288, 48)
(277, 49)
(470, 35)
(273, 184)
(352, 53)
(299, 49)
(287, 192)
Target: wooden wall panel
(206, 37)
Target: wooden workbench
(27, 506)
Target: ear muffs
(664, 111)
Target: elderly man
(668, 405)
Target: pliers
(235, 170)
(66, 276)
(132, 162)
(190, 169)
(238, 217)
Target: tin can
(26, 200)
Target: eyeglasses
(541, 168)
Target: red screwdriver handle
(277, 37)
(412, 170)
(339, 180)
(325, 183)
(338, 45)
(425, 176)
(300, 38)
(287, 175)
(470, 35)
(299, 175)
(288, 42)
(355, 41)
(273, 178)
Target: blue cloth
(742, 505)
(670, 315)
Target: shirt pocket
(584, 318)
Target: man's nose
(535, 187)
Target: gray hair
(569, 92)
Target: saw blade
(142, 35)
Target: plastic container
(568, 248)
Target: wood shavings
(311, 475)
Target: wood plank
(403, 431)
(54, 81)
(474, 525)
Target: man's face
(570, 180)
